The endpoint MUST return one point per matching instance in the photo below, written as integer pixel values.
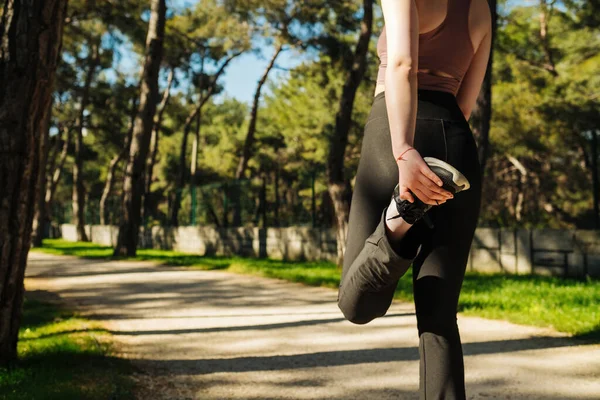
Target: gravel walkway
(216, 335)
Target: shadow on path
(193, 328)
(279, 325)
(344, 357)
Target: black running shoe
(453, 181)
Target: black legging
(372, 265)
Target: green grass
(62, 356)
(566, 305)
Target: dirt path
(216, 335)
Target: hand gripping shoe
(453, 181)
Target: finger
(431, 175)
(423, 197)
(406, 195)
(425, 181)
(431, 194)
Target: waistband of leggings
(434, 104)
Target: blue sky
(241, 76)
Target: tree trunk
(180, 183)
(544, 17)
(133, 184)
(56, 174)
(30, 37)
(595, 179)
(194, 168)
(53, 156)
(112, 167)
(155, 140)
(247, 149)
(482, 114)
(40, 220)
(78, 186)
(263, 201)
(212, 213)
(176, 203)
(522, 185)
(337, 185)
(276, 221)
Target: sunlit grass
(566, 305)
(63, 357)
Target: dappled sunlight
(224, 335)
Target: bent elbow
(402, 66)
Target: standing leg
(438, 274)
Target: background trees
(108, 140)
(546, 118)
(288, 155)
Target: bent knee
(358, 319)
(354, 315)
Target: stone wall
(573, 253)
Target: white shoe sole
(458, 178)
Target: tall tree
(595, 178)
(248, 142)
(213, 37)
(337, 184)
(114, 163)
(482, 113)
(86, 52)
(206, 92)
(78, 185)
(133, 185)
(275, 20)
(155, 140)
(40, 219)
(30, 38)
(55, 171)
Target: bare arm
(471, 83)
(402, 31)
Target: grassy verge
(564, 304)
(62, 356)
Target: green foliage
(545, 102)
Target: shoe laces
(411, 212)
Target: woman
(418, 186)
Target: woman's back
(446, 50)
